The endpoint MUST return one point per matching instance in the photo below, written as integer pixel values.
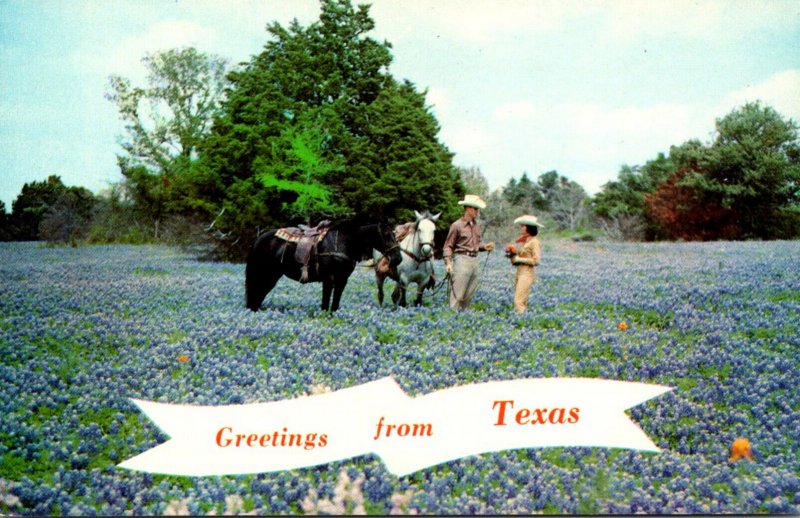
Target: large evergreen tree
(396, 164)
(744, 184)
(753, 169)
(315, 126)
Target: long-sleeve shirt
(464, 237)
(530, 253)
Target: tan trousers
(465, 281)
(526, 276)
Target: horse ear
(418, 215)
(434, 218)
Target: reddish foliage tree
(681, 214)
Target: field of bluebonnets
(85, 329)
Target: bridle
(416, 244)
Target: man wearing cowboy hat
(525, 254)
(461, 253)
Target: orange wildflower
(622, 326)
(183, 358)
(740, 449)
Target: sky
(582, 87)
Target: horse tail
(257, 274)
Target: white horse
(416, 244)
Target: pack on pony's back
(326, 253)
(417, 242)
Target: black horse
(331, 261)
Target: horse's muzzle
(426, 250)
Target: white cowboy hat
(527, 219)
(473, 200)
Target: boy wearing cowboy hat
(525, 254)
(461, 253)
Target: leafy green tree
(114, 218)
(752, 168)
(171, 116)
(319, 123)
(165, 124)
(298, 164)
(621, 203)
(546, 189)
(31, 205)
(396, 164)
(522, 193)
(744, 184)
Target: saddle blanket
(291, 234)
(305, 238)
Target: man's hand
(489, 246)
(448, 267)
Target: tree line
(315, 126)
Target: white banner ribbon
(408, 433)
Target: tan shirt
(530, 253)
(464, 237)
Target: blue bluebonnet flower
(83, 330)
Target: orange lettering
(573, 415)
(501, 414)
(220, 441)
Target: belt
(470, 254)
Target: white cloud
(584, 125)
(124, 58)
(159, 36)
(477, 21)
(629, 124)
(781, 91)
(482, 21)
(629, 19)
(587, 142)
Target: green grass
(149, 271)
(784, 296)
(599, 492)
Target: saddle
(402, 230)
(306, 238)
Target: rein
(340, 254)
(480, 277)
(417, 245)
